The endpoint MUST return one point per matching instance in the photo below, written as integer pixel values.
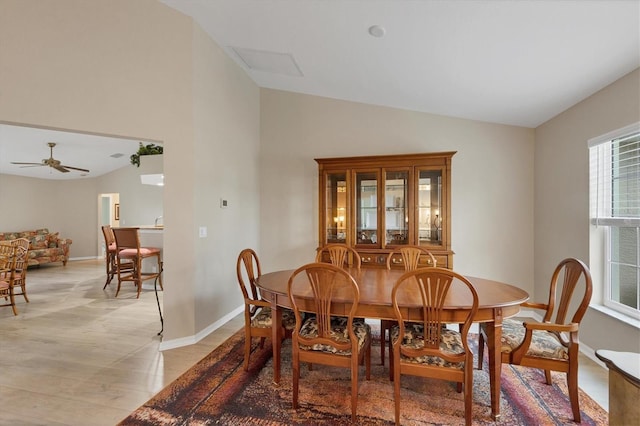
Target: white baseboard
(190, 340)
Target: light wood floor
(76, 355)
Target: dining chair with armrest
(409, 260)
(322, 338)
(427, 348)
(550, 345)
(258, 321)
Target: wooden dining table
(497, 300)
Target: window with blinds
(614, 169)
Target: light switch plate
(202, 232)
(224, 203)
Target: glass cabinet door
(396, 219)
(367, 227)
(430, 204)
(336, 207)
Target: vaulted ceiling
(513, 62)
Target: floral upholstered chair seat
(543, 343)
(339, 333)
(450, 342)
(263, 319)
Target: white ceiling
(85, 151)
(511, 62)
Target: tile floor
(76, 355)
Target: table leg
(276, 340)
(494, 337)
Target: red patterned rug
(217, 391)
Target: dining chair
(552, 344)
(258, 320)
(322, 338)
(110, 253)
(340, 255)
(20, 267)
(129, 259)
(427, 348)
(409, 259)
(7, 272)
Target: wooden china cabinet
(378, 203)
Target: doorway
(109, 214)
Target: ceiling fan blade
(28, 164)
(60, 169)
(76, 168)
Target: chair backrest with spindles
(340, 255)
(411, 257)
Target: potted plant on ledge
(149, 149)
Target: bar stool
(110, 253)
(129, 259)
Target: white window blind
(615, 179)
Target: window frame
(599, 202)
(607, 299)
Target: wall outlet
(224, 203)
(202, 232)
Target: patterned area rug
(217, 391)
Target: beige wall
(492, 178)
(562, 198)
(227, 140)
(68, 207)
(139, 204)
(136, 69)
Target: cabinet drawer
(373, 259)
(441, 261)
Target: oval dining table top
(375, 293)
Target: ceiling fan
(53, 163)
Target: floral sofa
(44, 246)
